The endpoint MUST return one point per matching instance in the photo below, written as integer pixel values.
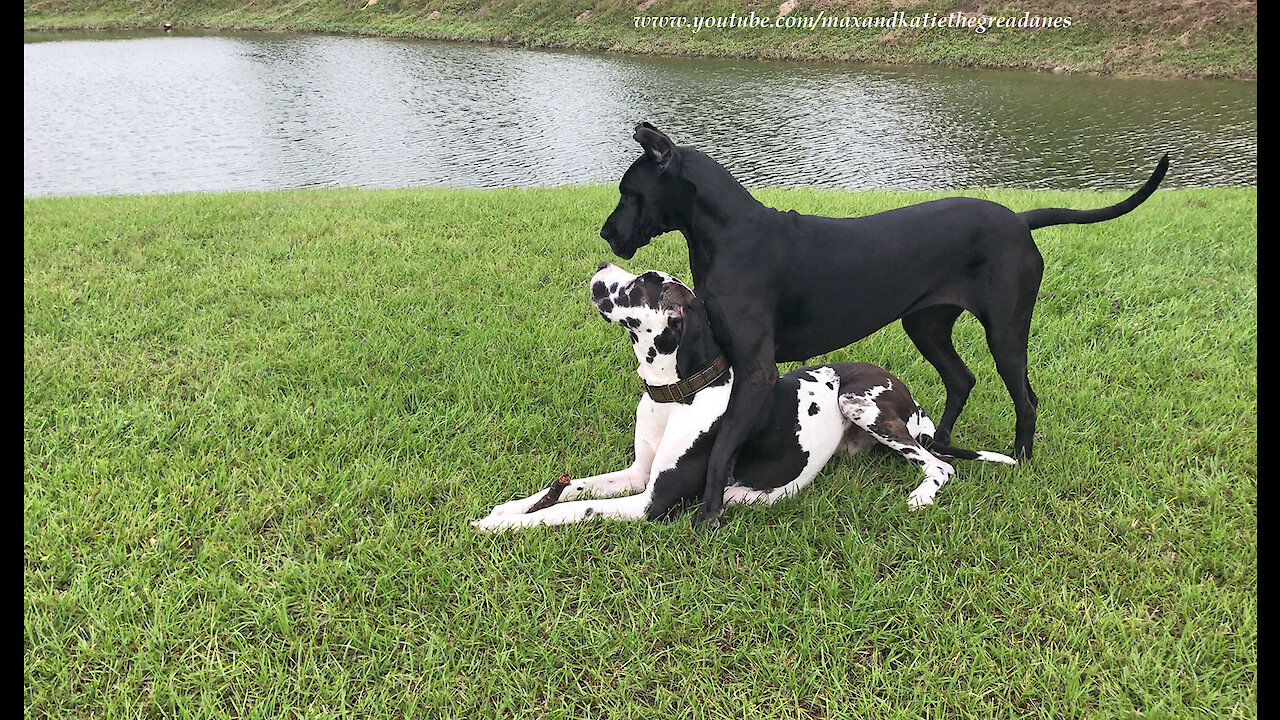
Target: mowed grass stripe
(257, 425)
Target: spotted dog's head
(667, 323)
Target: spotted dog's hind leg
(936, 472)
(921, 427)
(893, 431)
(742, 495)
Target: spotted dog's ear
(690, 321)
(659, 147)
(676, 298)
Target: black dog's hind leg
(1007, 320)
(930, 330)
(1010, 353)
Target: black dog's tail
(1062, 216)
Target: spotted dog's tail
(1045, 217)
(924, 436)
(962, 454)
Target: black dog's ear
(659, 147)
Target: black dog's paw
(707, 521)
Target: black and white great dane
(814, 411)
(781, 286)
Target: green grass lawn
(256, 427)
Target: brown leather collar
(690, 386)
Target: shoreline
(1095, 44)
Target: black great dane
(781, 286)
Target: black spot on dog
(634, 297)
(634, 338)
(598, 290)
(631, 322)
(588, 512)
(831, 384)
(653, 353)
(813, 409)
(606, 306)
(666, 341)
(613, 286)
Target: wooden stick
(553, 494)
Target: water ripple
(247, 112)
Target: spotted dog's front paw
(497, 523)
(515, 507)
(918, 499)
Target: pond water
(110, 114)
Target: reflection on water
(146, 114)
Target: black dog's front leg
(751, 388)
(750, 349)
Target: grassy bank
(256, 427)
(1209, 38)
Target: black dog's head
(655, 198)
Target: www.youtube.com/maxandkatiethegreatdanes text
(822, 21)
